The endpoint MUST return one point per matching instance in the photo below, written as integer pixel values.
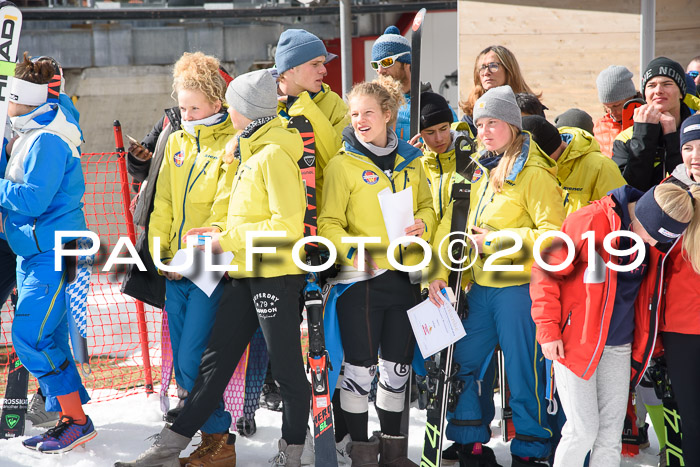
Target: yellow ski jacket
(440, 170)
(583, 171)
(268, 195)
(351, 206)
(194, 185)
(529, 205)
(328, 115)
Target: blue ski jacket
(43, 185)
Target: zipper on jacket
(198, 175)
(437, 157)
(184, 198)
(567, 322)
(36, 239)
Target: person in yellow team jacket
(193, 188)
(300, 60)
(268, 195)
(439, 134)
(372, 296)
(583, 171)
(518, 195)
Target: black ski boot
(270, 397)
(477, 455)
(246, 427)
(528, 462)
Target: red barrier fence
(124, 336)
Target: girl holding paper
(375, 295)
(519, 197)
(193, 188)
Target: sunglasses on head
(492, 67)
(387, 62)
(693, 74)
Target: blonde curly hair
(386, 90)
(199, 72)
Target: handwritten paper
(435, 327)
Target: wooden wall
(561, 47)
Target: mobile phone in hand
(133, 140)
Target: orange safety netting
(121, 332)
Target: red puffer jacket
(605, 131)
(576, 304)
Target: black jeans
(683, 363)
(273, 304)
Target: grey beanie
(253, 95)
(499, 103)
(576, 118)
(614, 84)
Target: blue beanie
(690, 129)
(297, 46)
(391, 43)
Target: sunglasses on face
(387, 62)
(693, 74)
(492, 67)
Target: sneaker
(271, 398)
(308, 456)
(341, 449)
(246, 427)
(450, 456)
(64, 436)
(37, 414)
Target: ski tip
(418, 20)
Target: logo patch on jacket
(478, 173)
(179, 158)
(370, 177)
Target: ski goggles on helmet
(388, 61)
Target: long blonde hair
(514, 77)
(199, 72)
(386, 90)
(676, 203)
(505, 165)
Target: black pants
(683, 362)
(372, 315)
(272, 304)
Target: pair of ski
(443, 388)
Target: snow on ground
(125, 424)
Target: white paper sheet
(397, 210)
(205, 280)
(435, 328)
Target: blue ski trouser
(40, 328)
(190, 319)
(501, 316)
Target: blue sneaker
(63, 437)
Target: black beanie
(544, 133)
(434, 110)
(663, 66)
